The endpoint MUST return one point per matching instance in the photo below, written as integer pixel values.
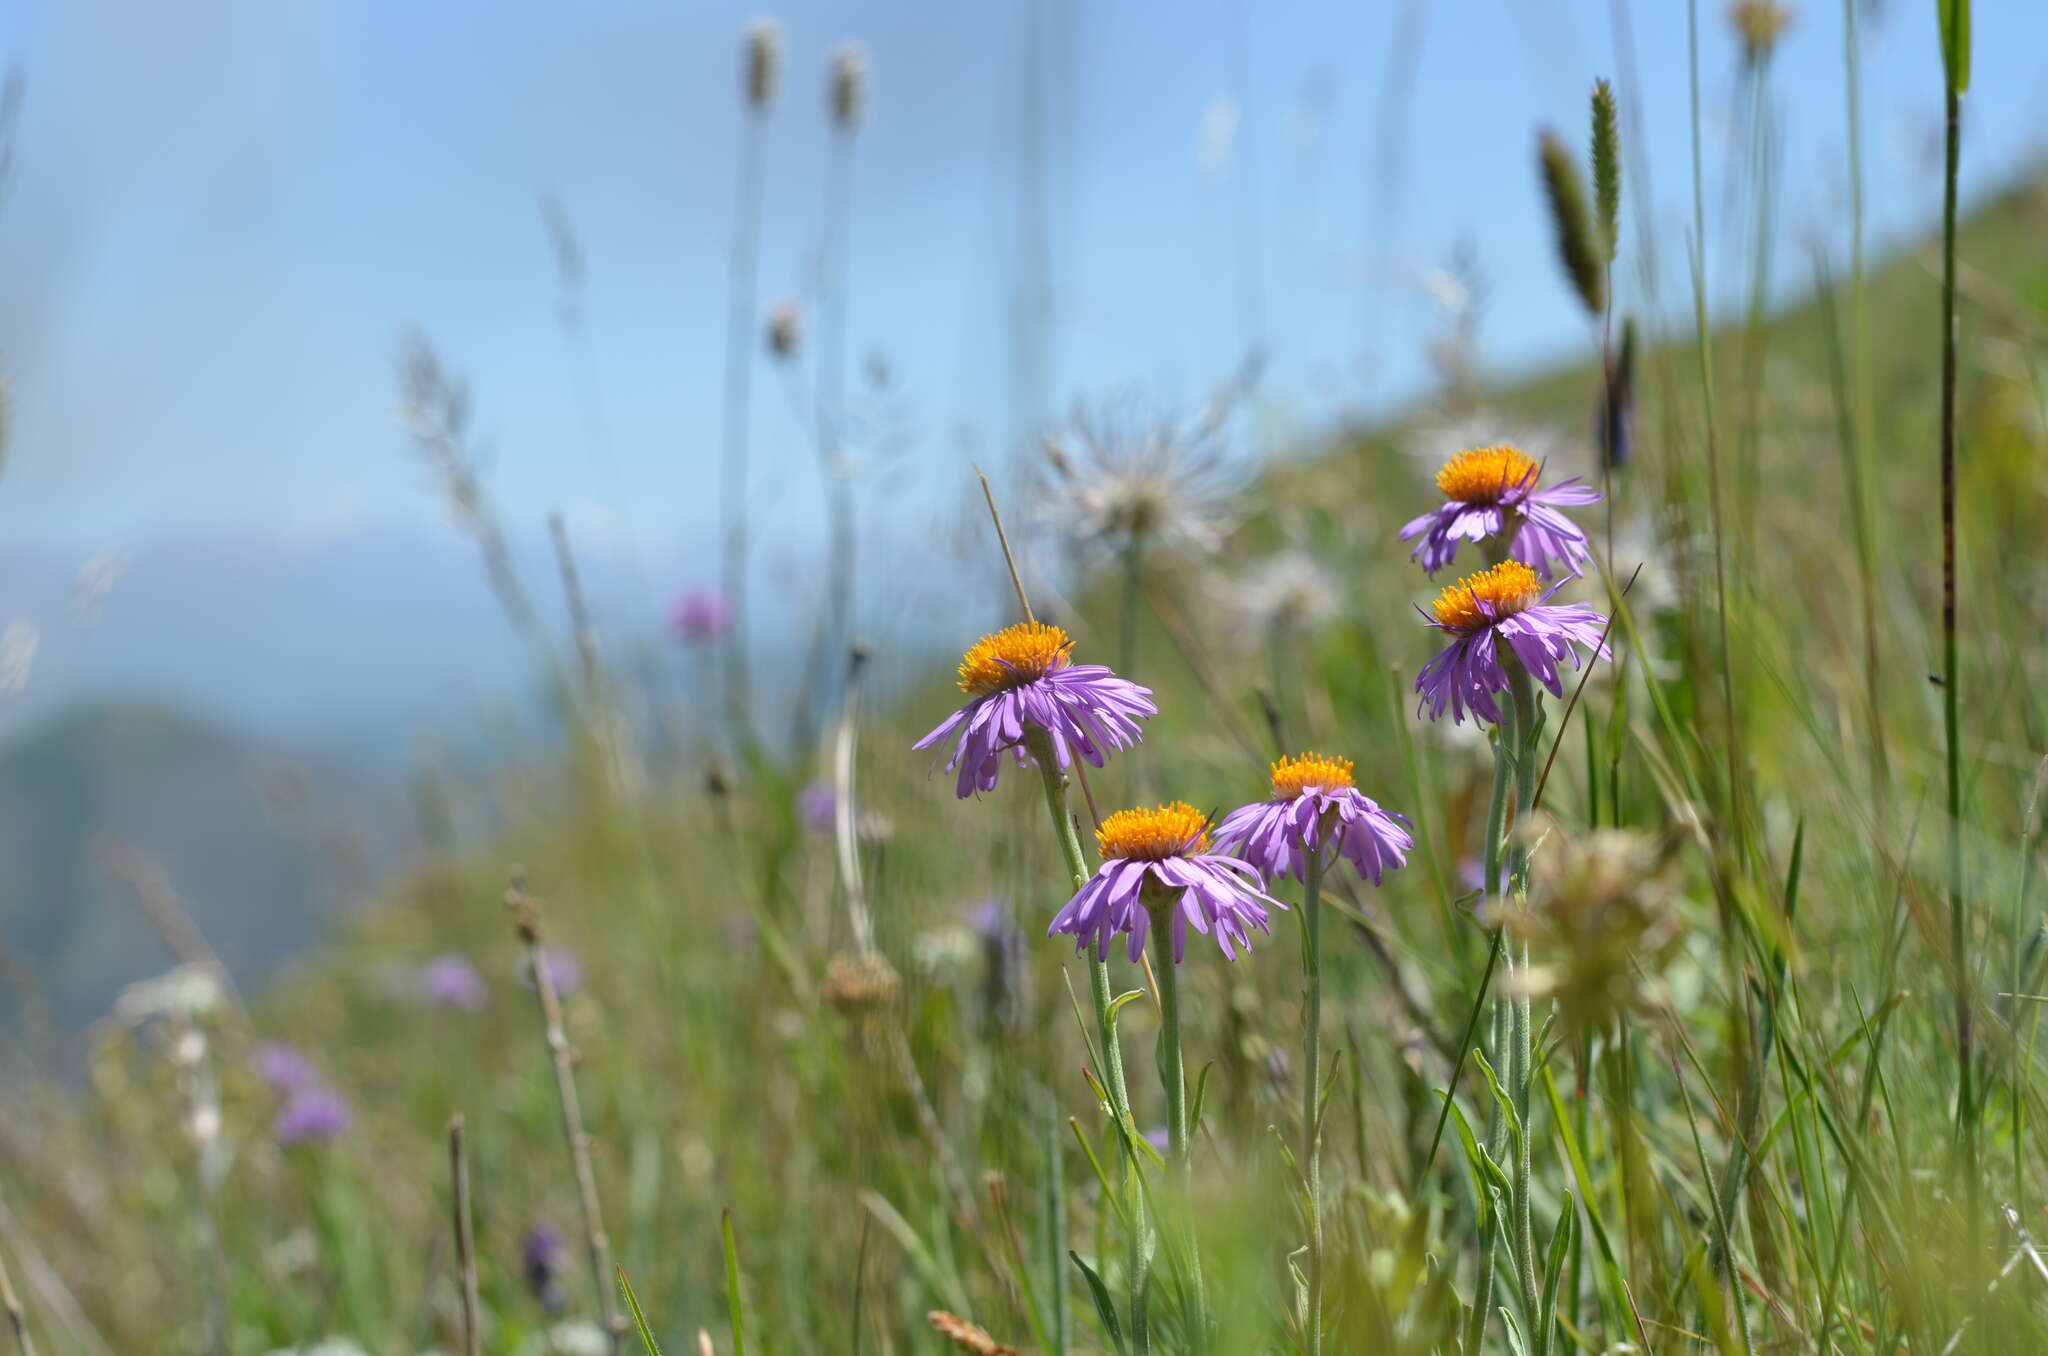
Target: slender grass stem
(738, 418)
(465, 1240)
(526, 918)
(1951, 718)
(17, 1318)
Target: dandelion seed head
(1163, 831)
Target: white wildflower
(17, 657)
(1122, 483)
(180, 994)
(1287, 589)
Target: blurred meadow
(492, 497)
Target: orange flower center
(1506, 589)
(1162, 831)
(1014, 656)
(1481, 475)
(1297, 773)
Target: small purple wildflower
(283, 1068)
(1005, 978)
(700, 616)
(543, 1254)
(564, 971)
(1491, 490)
(1505, 603)
(450, 981)
(1157, 859)
(1022, 678)
(312, 1115)
(1311, 795)
(817, 805)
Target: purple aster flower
(1491, 490)
(1005, 973)
(312, 1114)
(283, 1068)
(564, 971)
(1505, 603)
(543, 1254)
(1158, 860)
(817, 805)
(700, 616)
(1312, 793)
(1024, 677)
(450, 981)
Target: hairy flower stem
(1312, 1074)
(1173, 1078)
(1521, 1054)
(1039, 744)
(1495, 856)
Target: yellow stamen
(1013, 656)
(1481, 475)
(1507, 588)
(1297, 773)
(1162, 831)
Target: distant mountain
(262, 848)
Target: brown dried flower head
(1603, 921)
(967, 1336)
(849, 84)
(785, 330)
(763, 62)
(860, 983)
(1759, 24)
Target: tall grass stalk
(465, 1239)
(847, 99)
(17, 1317)
(1955, 43)
(526, 921)
(762, 55)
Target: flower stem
(1521, 1054)
(1039, 744)
(1312, 1081)
(1173, 1077)
(1496, 818)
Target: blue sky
(226, 213)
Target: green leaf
(732, 1289)
(1121, 1001)
(1560, 1245)
(1201, 1097)
(1104, 1308)
(633, 1303)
